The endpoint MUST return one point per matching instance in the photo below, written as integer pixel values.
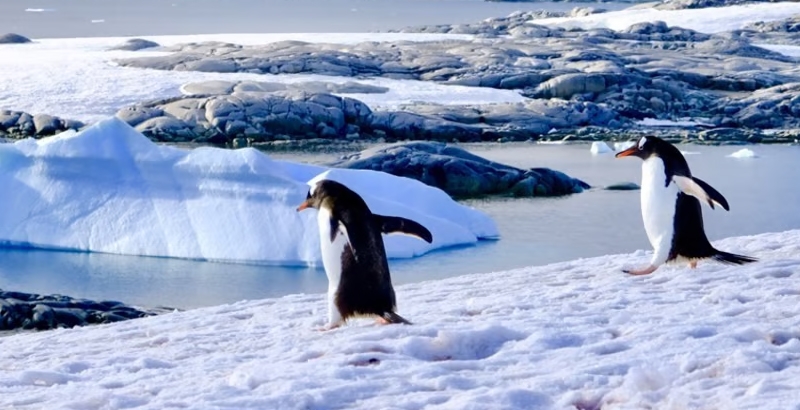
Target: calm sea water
(762, 192)
(93, 18)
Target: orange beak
(302, 206)
(628, 152)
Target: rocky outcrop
(229, 87)
(135, 44)
(648, 70)
(786, 31)
(11, 38)
(17, 125)
(496, 62)
(773, 107)
(243, 118)
(500, 26)
(259, 117)
(788, 25)
(461, 173)
(273, 119)
(27, 311)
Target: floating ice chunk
(744, 153)
(600, 147)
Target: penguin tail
(732, 259)
(391, 317)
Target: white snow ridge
(574, 335)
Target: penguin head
(323, 194)
(644, 148)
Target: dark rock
(18, 125)
(70, 317)
(623, 186)
(46, 124)
(12, 38)
(459, 172)
(43, 317)
(38, 312)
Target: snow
(600, 147)
(787, 50)
(110, 189)
(71, 78)
(744, 153)
(577, 334)
(654, 122)
(706, 20)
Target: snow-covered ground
(75, 78)
(110, 189)
(706, 20)
(655, 122)
(574, 335)
(787, 50)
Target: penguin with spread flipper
(353, 253)
(671, 209)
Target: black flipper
(701, 190)
(392, 224)
(338, 227)
(392, 317)
(732, 259)
(334, 228)
(713, 194)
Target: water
(74, 18)
(762, 193)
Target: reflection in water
(148, 281)
(534, 231)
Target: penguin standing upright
(353, 253)
(671, 211)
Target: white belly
(331, 260)
(658, 208)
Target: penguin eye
(642, 142)
(308, 194)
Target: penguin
(353, 253)
(671, 210)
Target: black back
(366, 285)
(674, 162)
(689, 237)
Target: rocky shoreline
(29, 311)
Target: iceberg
(110, 189)
(600, 147)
